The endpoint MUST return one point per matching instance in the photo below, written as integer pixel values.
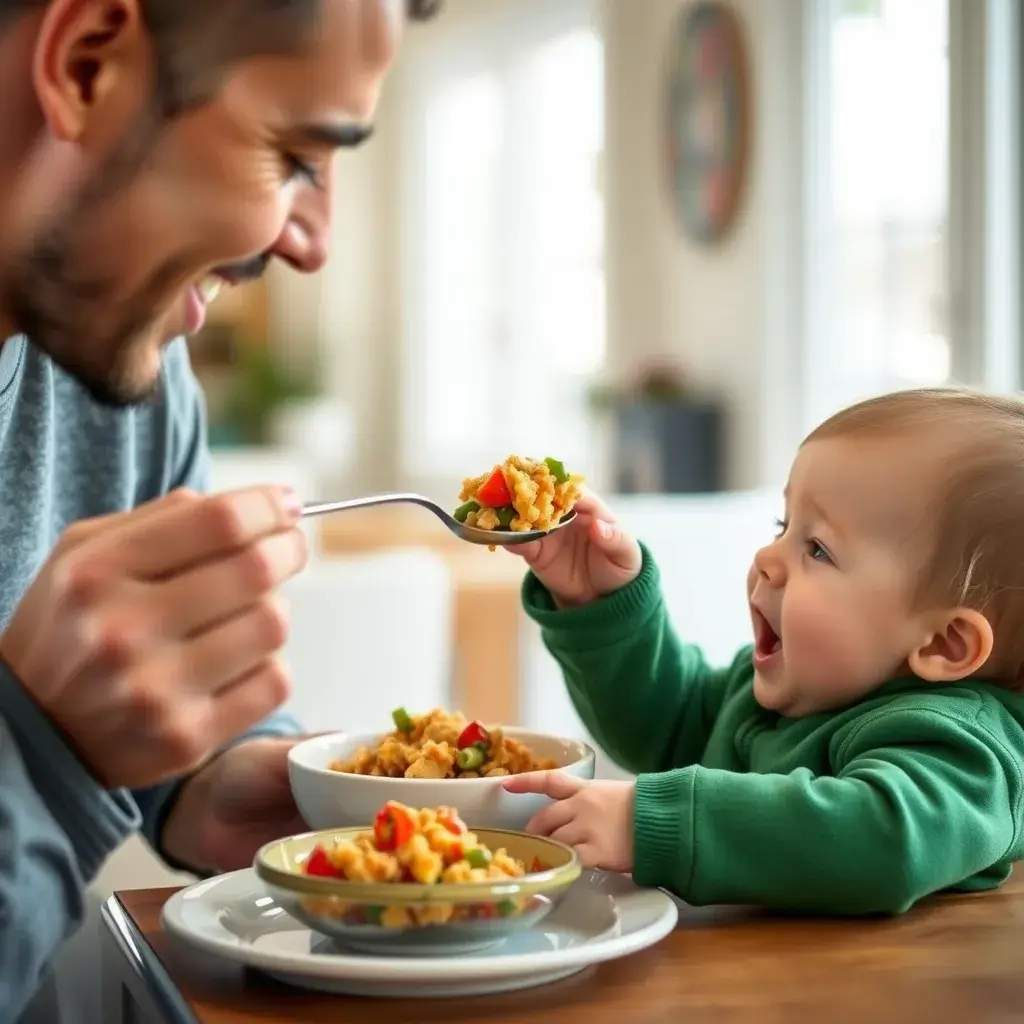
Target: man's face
(118, 235)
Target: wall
(721, 311)
(710, 308)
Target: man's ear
(959, 645)
(91, 67)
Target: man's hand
(150, 637)
(229, 809)
(595, 818)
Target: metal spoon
(491, 538)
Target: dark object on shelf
(666, 447)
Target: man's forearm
(57, 826)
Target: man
(151, 151)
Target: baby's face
(831, 596)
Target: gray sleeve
(57, 827)
(188, 465)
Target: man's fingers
(186, 533)
(248, 701)
(233, 649)
(201, 597)
(554, 784)
(86, 529)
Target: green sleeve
(918, 803)
(647, 699)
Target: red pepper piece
(450, 819)
(320, 864)
(538, 865)
(393, 828)
(494, 492)
(473, 734)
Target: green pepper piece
(403, 723)
(462, 512)
(506, 907)
(469, 758)
(557, 470)
(478, 857)
(373, 914)
(505, 516)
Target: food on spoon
(442, 745)
(518, 495)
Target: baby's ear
(960, 643)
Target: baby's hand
(595, 818)
(587, 559)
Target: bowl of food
(435, 759)
(417, 881)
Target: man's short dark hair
(198, 41)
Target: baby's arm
(899, 820)
(649, 700)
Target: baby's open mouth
(766, 640)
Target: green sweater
(914, 790)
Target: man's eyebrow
(335, 136)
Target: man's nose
(303, 242)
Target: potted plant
(264, 384)
(667, 437)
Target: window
(878, 278)
(505, 261)
(913, 204)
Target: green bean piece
(462, 512)
(469, 758)
(505, 516)
(557, 470)
(478, 857)
(403, 723)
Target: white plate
(602, 917)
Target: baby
(867, 749)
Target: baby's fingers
(551, 818)
(555, 784)
(619, 547)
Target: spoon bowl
(471, 534)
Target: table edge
(145, 964)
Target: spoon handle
(318, 508)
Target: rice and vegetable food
(519, 494)
(427, 846)
(442, 745)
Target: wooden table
(486, 593)
(953, 959)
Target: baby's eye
(780, 527)
(818, 551)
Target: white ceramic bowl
(330, 799)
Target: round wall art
(707, 118)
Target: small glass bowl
(411, 918)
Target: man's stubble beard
(76, 317)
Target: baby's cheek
(819, 641)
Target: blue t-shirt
(64, 457)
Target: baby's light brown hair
(976, 552)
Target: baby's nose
(770, 565)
